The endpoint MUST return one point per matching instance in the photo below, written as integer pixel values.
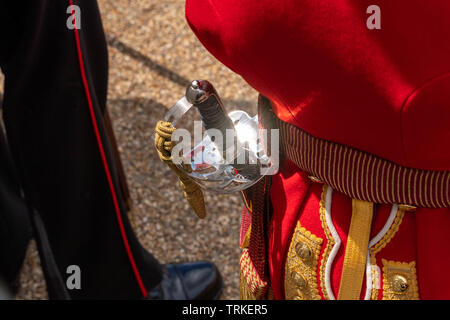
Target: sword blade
(177, 111)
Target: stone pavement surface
(153, 55)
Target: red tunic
(385, 92)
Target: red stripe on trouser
(105, 164)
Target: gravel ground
(152, 56)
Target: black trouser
(65, 159)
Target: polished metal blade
(177, 111)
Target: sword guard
(207, 166)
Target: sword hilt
(243, 161)
(204, 97)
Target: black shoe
(189, 281)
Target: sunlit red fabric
(385, 91)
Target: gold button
(399, 284)
(299, 280)
(303, 250)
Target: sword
(234, 165)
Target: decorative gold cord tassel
(244, 290)
(164, 145)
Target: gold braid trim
(330, 242)
(400, 281)
(164, 145)
(252, 287)
(355, 256)
(244, 290)
(375, 282)
(380, 245)
(246, 241)
(300, 275)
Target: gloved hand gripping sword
(229, 158)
